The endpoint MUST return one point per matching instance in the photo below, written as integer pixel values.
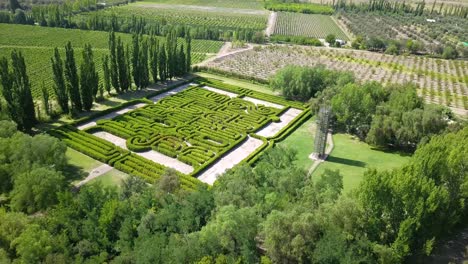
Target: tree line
(393, 116)
(273, 213)
(77, 87)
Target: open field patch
(307, 25)
(245, 4)
(198, 131)
(353, 157)
(440, 81)
(226, 18)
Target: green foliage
(421, 200)
(403, 121)
(60, 89)
(73, 82)
(298, 7)
(36, 190)
(89, 79)
(296, 40)
(355, 105)
(17, 91)
(302, 83)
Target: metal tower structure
(323, 121)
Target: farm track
(224, 52)
(271, 24)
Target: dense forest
(271, 213)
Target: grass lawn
(243, 84)
(111, 178)
(77, 159)
(352, 157)
(303, 141)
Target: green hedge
(306, 8)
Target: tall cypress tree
(8, 91)
(122, 66)
(143, 64)
(17, 91)
(27, 102)
(181, 65)
(89, 78)
(136, 69)
(188, 53)
(127, 64)
(60, 88)
(73, 82)
(154, 57)
(162, 62)
(105, 69)
(114, 68)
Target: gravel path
(230, 160)
(271, 24)
(133, 107)
(274, 128)
(151, 155)
(111, 115)
(94, 174)
(232, 95)
(261, 102)
(224, 52)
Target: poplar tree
(123, 73)
(181, 65)
(60, 88)
(72, 79)
(143, 65)
(114, 68)
(162, 63)
(89, 78)
(136, 69)
(154, 57)
(188, 54)
(17, 91)
(105, 69)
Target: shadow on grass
(349, 162)
(73, 173)
(393, 151)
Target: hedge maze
(195, 126)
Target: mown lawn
(77, 159)
(353, 157)
(302, 140)
(112, 178)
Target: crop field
(446, 30)
(196, 127)
(440, 81)
(245, 4)
(192, 15)
(307, 25)
(37, 45)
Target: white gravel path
(118, 141)
(111, 115)
(215, 90)
(171, 92)
(274, 128)
(133, 107)
(261, 102)
(151, 155)
(96, 172)
(230, 160)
